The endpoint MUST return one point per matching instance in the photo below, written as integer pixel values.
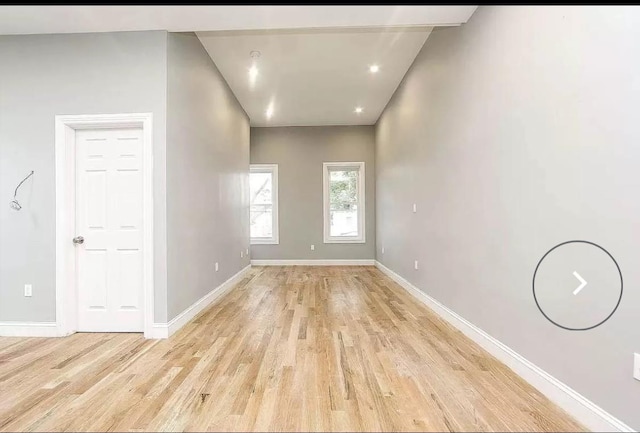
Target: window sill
(264, 242)
(344, 241)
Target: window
(343, 193)
(263, 195)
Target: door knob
(78, 240)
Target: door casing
(65, 151)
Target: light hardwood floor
(288, 349)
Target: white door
(109, 218)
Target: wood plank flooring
(288, 349)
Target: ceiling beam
(87, 19)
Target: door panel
(94, 272)
(109, 215)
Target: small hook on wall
(15, 204)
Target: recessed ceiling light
(269, 112)
(374, 68)
(358, 110)
(253, 70)
(253, 74)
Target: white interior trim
(159, 331)
(358, 262)
(165, 330)
(72, 18)
(578, 406)
(275, 229)
(29, 329)
(65, 127)
(361, 238)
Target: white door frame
(65, 151)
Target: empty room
(319, 218)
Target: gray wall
(207, 175)
(45, 75)
(513, 133)
(299, 153)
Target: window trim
(361, 238)
(275, 232)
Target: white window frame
(328, 239)
(275, 232)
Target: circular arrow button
(577, 285)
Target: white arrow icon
(582, 283)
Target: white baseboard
(159, 331)
(29, 329)
(582, 409)
(359, 262)
(165, 330)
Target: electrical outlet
(636, 366)
(415, 208)
(216, 266)
(382, 250)
(313, 247)
(28, 290)
(241, 254)
(415, 264)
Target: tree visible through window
(263, 222)
(343, 202)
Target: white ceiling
(315, 77)
(79, 19)
(314, 60)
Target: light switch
(28, 290)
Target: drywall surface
(43, 76)
(513, 133)
(207, 175)
(300, 153)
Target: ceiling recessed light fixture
(253, 70)
(269, 112)
(253, 74)
(374, 68)
(358, 110)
